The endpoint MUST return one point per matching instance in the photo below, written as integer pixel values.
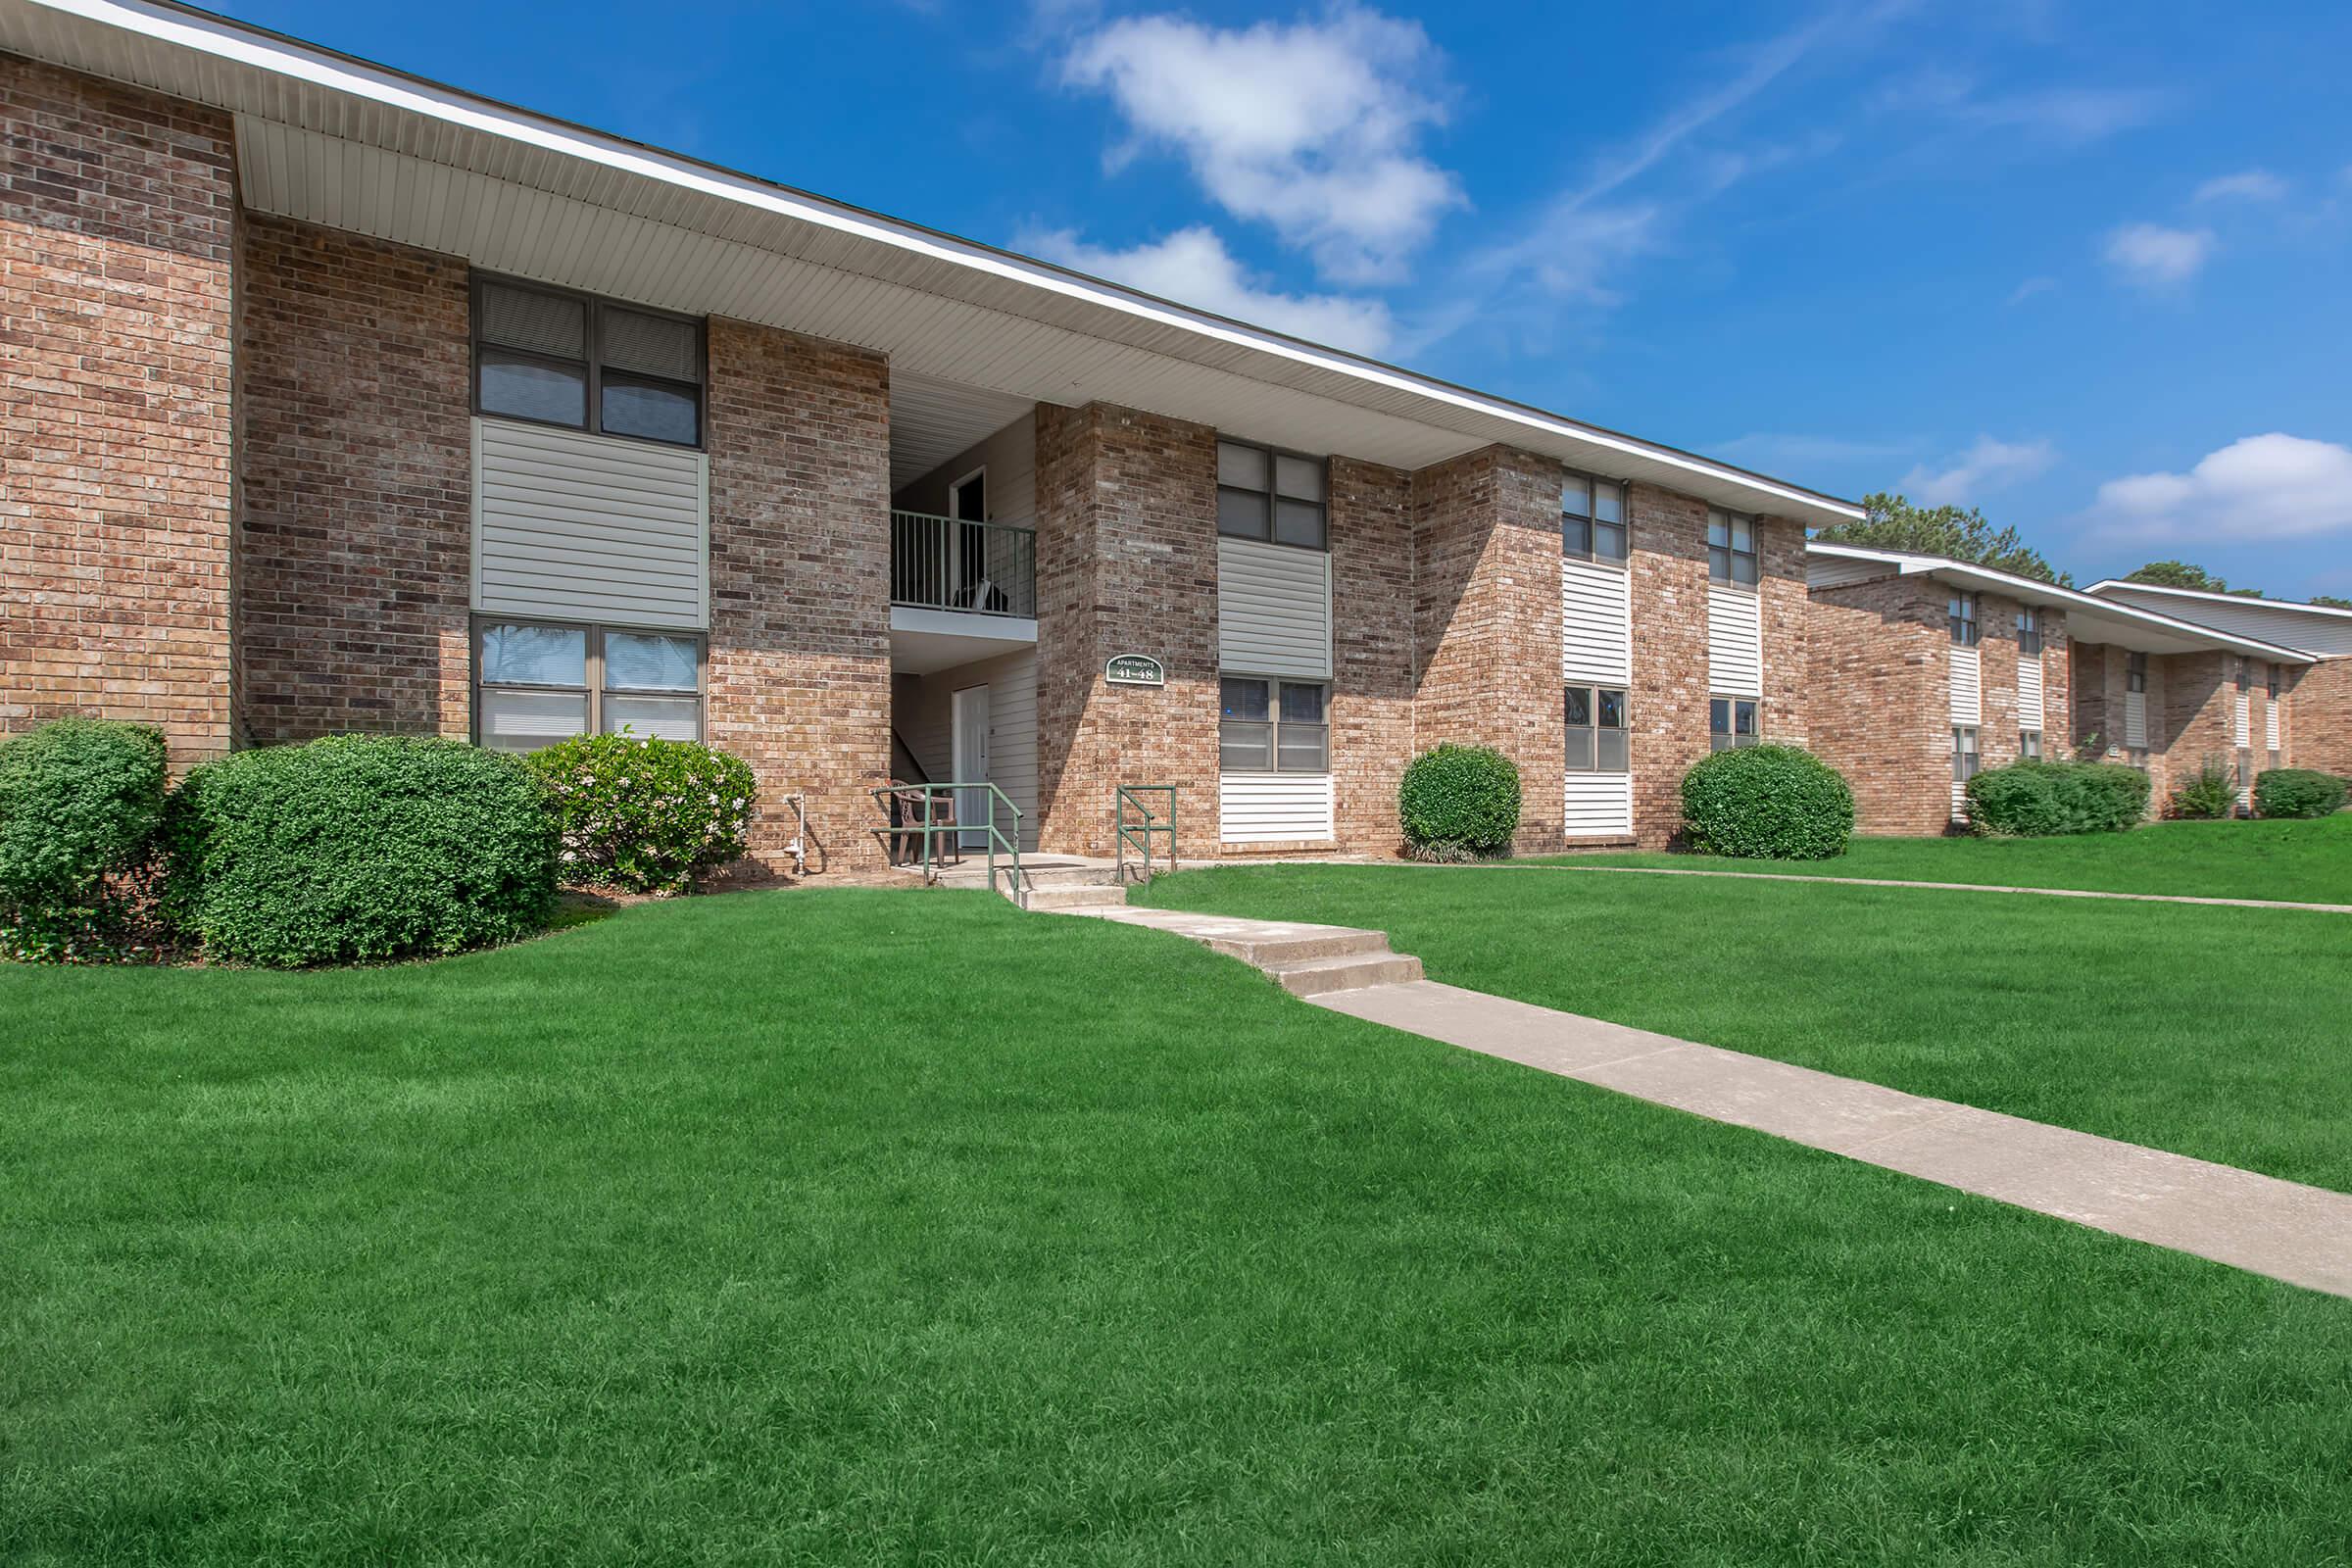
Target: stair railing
(930, 827)
(1138, 830)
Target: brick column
(1881, 709)
(1669, 696)
(118, 210)
(1787, 615)
(1997, 658)
(800, 582)
(1371, 650)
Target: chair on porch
(903, 842)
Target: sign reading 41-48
(1135, 670)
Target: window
(1731, 547)
(536, 683)
(2136, 673)
(1960, 615)
(1265, 494)
(1592, 518)
(1731, 723)
(556, 358)
(1964, 752)
(1274, 726)
(2245, 673)
(2273, 683)
(2028, 630)
(2028, 745)
(1598, 741)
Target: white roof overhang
(338, 142)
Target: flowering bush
(645, 814)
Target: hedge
(645, 814)
(2297, 792)
(1767, 803)
(2036, 799)
(358, 849)
(80, 803)
(1459, 800)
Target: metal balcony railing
(943, 564)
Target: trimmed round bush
(358, 849)
(1767, 803)
(2211, 794)
(645, 814)
(81, 803)
(2297, 792)
(2040, 798)
(1459, 800)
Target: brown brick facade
(1372, 728)
(355, 486)
(1668, 700)
(800, 582)
(2319, 716)
(1880, 710)
(116, 234)
(1126, 562)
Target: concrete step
(1069, 895)
(1348, 971)
(1325, 942)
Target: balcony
(979, 568)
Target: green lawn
(2306, 863)
(2213, 1032)
(896, 1227)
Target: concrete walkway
(2299, 1234)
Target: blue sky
(2084, 265)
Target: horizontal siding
(2028, 692)
(1598, 805)
(2136, 719)
(2312, 631)
(2242, 724)
(1273, 609)
(1734, 641)
(1968, 686)
(570, 526)
(1959, 802)
(2269, 726)
(1274, 807)
(1596, 619)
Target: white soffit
(338, 142)
(931, 421)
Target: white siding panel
(1274, 807)
(1596, 619)
(2028, 692)
(1273, 609)
(2241, 726)
(2136, 719)
(573, 526)
(1599, 805)
(1959, 802)
(1734, 641)
(2269, 726)
(1968, 686)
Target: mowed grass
(2300, 862)
(900, 1227)
(2209, 1031)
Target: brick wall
(355, 519)
(1997, 658)
(1127, 562)
(1487, 618)
(1881, 707)
(1786, 605)
(2319, 718)
(1372, 728)
(1670, 690)
(800, 582)
(117, 235)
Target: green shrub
(645, 814)
(81, 802)
(358, 849)
(1458, 800)
(1767, 803)
(2039, 798)
(2213, 793)
(2297, 792)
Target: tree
(2331, 602)
(2181, 574)
(1891, 523)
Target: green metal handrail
(1139, 834)
(928, 828)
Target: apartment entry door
(970, 721)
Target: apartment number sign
(1135, 670)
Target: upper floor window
(2029, 629)
(1265, 494)
(558, 357)
(2273, 683)
(1731, 547)
(1592, 518)
(2136, 673)
(2245, 673)
(1960, 617)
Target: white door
(970, 720)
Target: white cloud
(2248, 185)
(2259, 487)
(2031, 287)
(2072, 115)
(2154, 257)
(1988, 465)
(1192, 267)
(1313, 127)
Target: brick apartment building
(1926, 670)
(339, 399)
